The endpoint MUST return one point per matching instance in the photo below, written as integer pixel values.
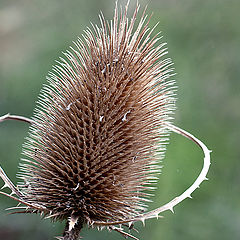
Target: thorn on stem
(171, 209)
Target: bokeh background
(204, 42)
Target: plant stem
(73, 234)
(15, 117)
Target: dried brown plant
(99, 130)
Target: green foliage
(203, 40)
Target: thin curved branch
(125, 234)
(34, 206)
(15, 117)
(186, 194)
(8, 183)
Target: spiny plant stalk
(100, 129)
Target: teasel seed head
(98, 135)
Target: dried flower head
(99, 128)
(99, 125)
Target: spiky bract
(98, 133)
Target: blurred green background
(204, 42)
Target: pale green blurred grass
(204, 42)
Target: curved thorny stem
(15, 117)
(72, 231)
